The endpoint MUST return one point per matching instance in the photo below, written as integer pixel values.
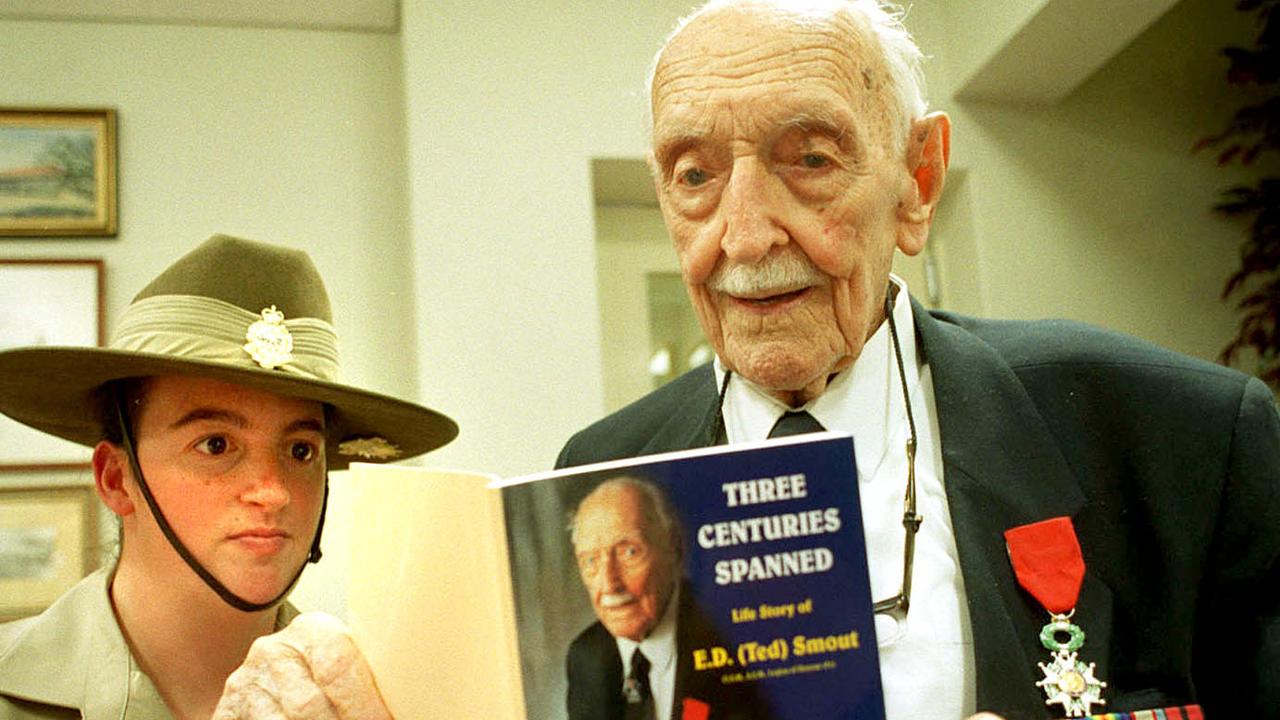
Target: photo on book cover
(739, 574)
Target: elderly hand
(985, 716)
(311, 670)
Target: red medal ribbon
(1047, 561)
(694, 710)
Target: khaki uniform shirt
(71, 661)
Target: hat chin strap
(235, 601)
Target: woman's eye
(213, 445)
(303, 451)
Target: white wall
(507, 104)
(632, 242)
(1094, 208)
(290, 136)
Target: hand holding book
(311, 669)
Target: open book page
(429, 600)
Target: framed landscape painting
(57, 172)
(48, 541)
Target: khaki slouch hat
(235, 310)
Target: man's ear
(928, 153)
(109, 471)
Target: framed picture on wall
(57, 172)
(48, 541)
(47, 302)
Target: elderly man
(214, 418)
(1095, 521)
(636, 662)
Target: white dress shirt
(926, 667)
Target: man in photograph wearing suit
(792, 154)
(636, 661)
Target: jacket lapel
(1002, 468)
(692, 423)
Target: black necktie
(636, 689)
(795, 423)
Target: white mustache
(612, 600)
(776, 273)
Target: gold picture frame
(57, 172)
(48, 542)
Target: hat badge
(269, 342)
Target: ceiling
(358, 15)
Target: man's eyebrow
(836, 126)
(668, 145)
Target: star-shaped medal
(1071, 683)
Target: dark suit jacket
(595, 672)
(1169, 468)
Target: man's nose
(752, 203)
(610, 577)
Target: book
(468, 591)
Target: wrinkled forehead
(607, 517)
(733, 55)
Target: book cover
(764, 587)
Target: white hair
(660, 515)
(882, 20)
